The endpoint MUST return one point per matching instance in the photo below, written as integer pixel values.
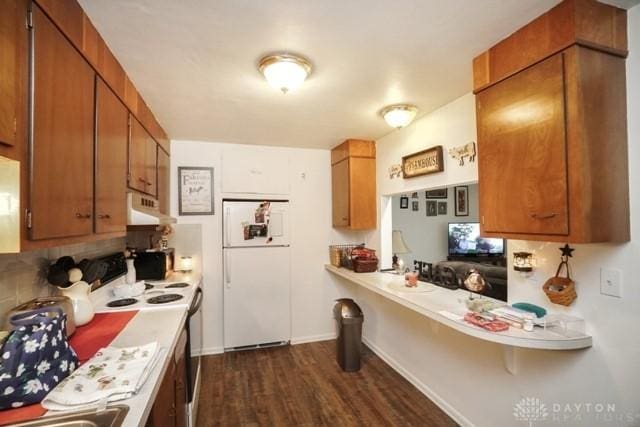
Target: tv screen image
(464, 239)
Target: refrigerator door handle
(227, 273)
(226, 226)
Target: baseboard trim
(424, 389)
(209, 351)
(313, 338)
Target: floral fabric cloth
(35, 357)
(112, 374)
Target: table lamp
(398, 246)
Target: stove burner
(165, 298)
(122, 302)
(148, 286)
(177, 285)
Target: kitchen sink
(112, 416)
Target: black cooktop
(122, 302)
(177, 285)
(165, 298)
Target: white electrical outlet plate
(611, 282)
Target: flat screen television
(465, 240)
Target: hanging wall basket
(561, 290)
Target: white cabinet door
(254, 171)
(256, 296)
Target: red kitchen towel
(103, 329)
(86, 341)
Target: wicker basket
(365, 265)
(560, 290)
(340, 255)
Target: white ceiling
(194, 61)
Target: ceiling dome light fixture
(399, 115)
(284, 71)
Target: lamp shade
(398, 245)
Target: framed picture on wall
(432, 208)
(440, 193)
(415, 205)
(195, 191)
(404, 202)
(442, 208)
(461, 197)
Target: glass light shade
(285, 72)
(398, 245)
(523, 261)
(400, 115)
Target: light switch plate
(611, 282)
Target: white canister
(78, 293)
(130, 278)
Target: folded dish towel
(112, 374)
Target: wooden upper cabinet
(151, 166)
(111, 161)
(68, 16)
(353, 185)
(142, 159)
(137, 155)
(552, 138)
(587, 23)
(12, 30)
(62, 170)
(163, 181)
(523, 165)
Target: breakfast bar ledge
(447, 307)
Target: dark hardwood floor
(302, 385)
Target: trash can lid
(346, 308)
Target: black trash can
(349, 318)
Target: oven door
(194, 348)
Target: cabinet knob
(104, 216)
(83, 216)
(142, 180)
(543, 216)
(148, 183)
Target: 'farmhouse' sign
(423, 162)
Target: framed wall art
(404, 202)
(461, 197)
(440, 193)
(415, 206)
(432, 208)
(195, 191)
(442, 208)
(423, 162)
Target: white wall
(465, 375)
(427, 236)
(313, 291)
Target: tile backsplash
(23, 275)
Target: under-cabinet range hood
(143, 210)
(9, 205)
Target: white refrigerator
(256, 273)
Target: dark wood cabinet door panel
(111, 161)
(11, 29)
(522, 152)
(137, 155)
(63, 133)
(163, 181)
(151, 166)
(340, 193)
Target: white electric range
(178, 290)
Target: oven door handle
(196, 304)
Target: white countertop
(164, 325)
(439, 302)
